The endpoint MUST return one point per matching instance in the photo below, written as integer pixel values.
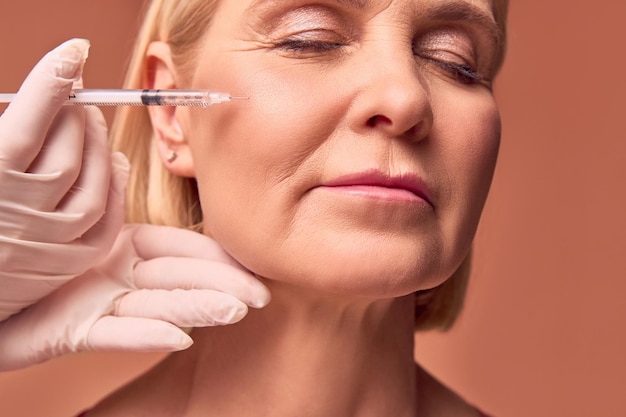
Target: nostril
(374, 120)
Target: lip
(383, 186)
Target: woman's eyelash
(463, 73)
(460, 72)
(307, 45)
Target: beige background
(543, 332)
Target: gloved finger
(77, 84)
(61, 153)
(22, 346)
(193, 308)
(102, 235)
(38, 185)
(51, 258)
(133, 334)
(32, 260)
(63, 146)
(92, 182)
(88, 193)
(19, 293)
(26, 120)
(94, 226)
(158, 241)
(95, 243)
(77, 148)
(15, 347)
(191, 273)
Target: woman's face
(362, 159)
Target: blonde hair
(155, 196)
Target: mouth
(407, 187)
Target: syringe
(92, 97)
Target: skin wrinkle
(260, 6)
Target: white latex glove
(61, 204)
(154, 279)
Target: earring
(171, 156)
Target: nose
(391, 96)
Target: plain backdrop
(543, 332)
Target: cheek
(248, 154)
(471, 147)
(280, 124)
(482, 151)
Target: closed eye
(459, 72)
(307, 45)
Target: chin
(352, 270)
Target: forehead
(479, 12)
(484, 5)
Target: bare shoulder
(437, 400)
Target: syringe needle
(94, 97)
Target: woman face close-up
(361, 160)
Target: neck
(312, 355)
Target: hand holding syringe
(62, 205)
(93, 97)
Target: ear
(171, 142)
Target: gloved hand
(61, 203)
(154, 279)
